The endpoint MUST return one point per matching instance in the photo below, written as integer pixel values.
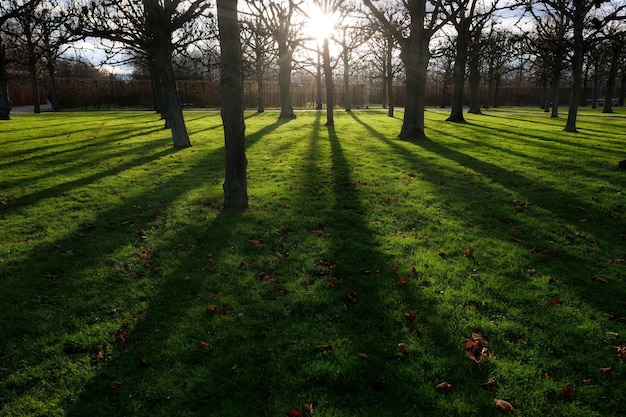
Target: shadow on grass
(497, 212)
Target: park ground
(479, 269)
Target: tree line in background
(466, 47)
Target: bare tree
(279, 17)
(424, 21)
(9, 9)
(153, 30)
(257, 43)
(235, 183)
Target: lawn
(371, 277)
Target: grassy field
(367, 271)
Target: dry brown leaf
(599, 280)
(324, 348)
(444, 386)
(205, 345)
(505, 406)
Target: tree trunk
(34, 86)
(496, 91)
(157, 89)
(389, 75)
(260, 106)
(235, 182)
(346, 81)
(416, 63)
(456, 111)
(577, 66)
(610, 81)
(260, 64)
(173, 110)
(556, 82)
(474, 77)
(284, 80)
(328, 78)
(5, 103)
(622, 90)
(54, 94)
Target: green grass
(116, 261)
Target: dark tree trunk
(260, 64)
(389, 75)
(260, 108)
(577, 65)
(54, 94)
(5, 104)
(443, 100)
(456, 110)
(416, 64)
(284, 80)
(622, 90)
(235, 182)
(346, 81)
(496, 91)
(610, 81)
(594, 88)
(173, 110)
(474, 77)
(34, 86)
(330, 88)
(157, 89)
(158, 26)
(556, 82)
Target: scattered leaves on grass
(522, 207)
(324, 348)
(443, 386)
(333, 282)
(505, 406)
(475, 348)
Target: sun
(320, 25)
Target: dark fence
(110, 94)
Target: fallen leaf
(143, 363)
(567, 393)
(121, 335)
(401, 281)
(608, 372)
(443, 386)
(599, 280)
(324, 348)
(403, 348)
(364, 356)
(531, 271)
(211, 309)
(309, 409)
(143, 317)
(555, 302)
(410, 315)
(294, 413)
(116, 385)
(491, 384)
(469, 252)
(205, 345)
(504, 406)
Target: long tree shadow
(494, 205)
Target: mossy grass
(352, 283)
